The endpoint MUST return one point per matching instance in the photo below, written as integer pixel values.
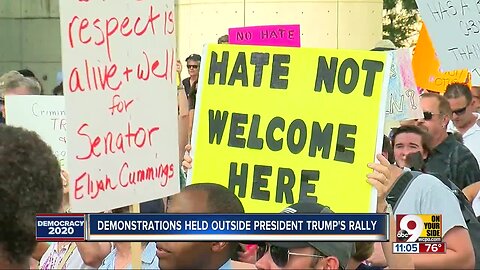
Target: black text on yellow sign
(253, 134)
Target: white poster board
(454, 27)
(118, 60)
(43, 114)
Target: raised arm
(383, 178)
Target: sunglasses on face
(280, 255)
(192, 66)
(428, 115)
(460, 111)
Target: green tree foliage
(399, 20)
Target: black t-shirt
(454, 161)
(191, 94)
(187, 85)
(191, 101)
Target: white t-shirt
(471, 138)
(53, 257)
(428, 195)
(476, 204)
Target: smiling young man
(464, 119)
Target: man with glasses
(464, 119)
(449, 157)
(304, 255)
(193, 68)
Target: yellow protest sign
(282, 125)
(426, 67)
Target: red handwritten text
(94, 77)
(100, 31)
(93, 188)
(163, 172)
(106, 77)
(111, 142)
(119, 105)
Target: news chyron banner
(118, 61)
(282, 125)
(211, 227)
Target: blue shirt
(149, 258)
(227, 265)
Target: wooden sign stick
(136, 247)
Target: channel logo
(419, 228)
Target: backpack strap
(400, 187)
(465, 205)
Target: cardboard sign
(454, 27)
(281, 125)
(403, 100)
(119, 64)
(426, 67)
(43, 114)
(266, 35)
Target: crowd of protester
(444, 146)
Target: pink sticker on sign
(266, 35)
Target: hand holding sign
(179, 66)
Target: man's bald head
(199, 199)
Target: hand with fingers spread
(187, 159)
(383, 178)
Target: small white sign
(43, 114)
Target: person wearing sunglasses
(304, 255)
(449, 157)
(193, 68)
(464, 119)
